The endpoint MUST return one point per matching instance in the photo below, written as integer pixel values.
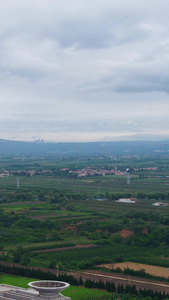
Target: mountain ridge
(11, 147)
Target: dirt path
(21, 203)
(125, 280)
(66, 248)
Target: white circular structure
(49, 288)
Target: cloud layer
(84, 70)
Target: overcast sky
(84, 70)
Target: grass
(76, 293)
(16, 280)
(40, 209)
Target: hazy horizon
(147, 138)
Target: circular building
(49, 289)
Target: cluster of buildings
(4, 174)
(133, 200)
(24, 172)
(145, 169)
(80, 173)
(93, 172)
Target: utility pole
(18, 182)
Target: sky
(84, 70)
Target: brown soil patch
(63, 208)
(153, 270)
(44, 216)
(125, 233)
(69, 228)
(88, 180)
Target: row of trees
(109, 286)
(62, 196)
(153, 195)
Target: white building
(160, 204)
(127, 200)
(38, 290)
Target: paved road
(119, 279)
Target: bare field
(125, 233)
(153, 270)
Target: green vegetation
(91, 290)
(72, 291)
(75, 292)
(15, 280)
(93, 223)
(53, 218)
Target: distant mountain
(8, 147)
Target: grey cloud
(137, 77)
(83, 66)
(149, 83)
(105, 24)
(95, 34)
(50, 122)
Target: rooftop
(38, 290)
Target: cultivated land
(54, 218)
(153, 270)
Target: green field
(59, 210)
(73, 291)
(143, 176)
(90, 184)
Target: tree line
(88, 283)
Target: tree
(17, 257)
